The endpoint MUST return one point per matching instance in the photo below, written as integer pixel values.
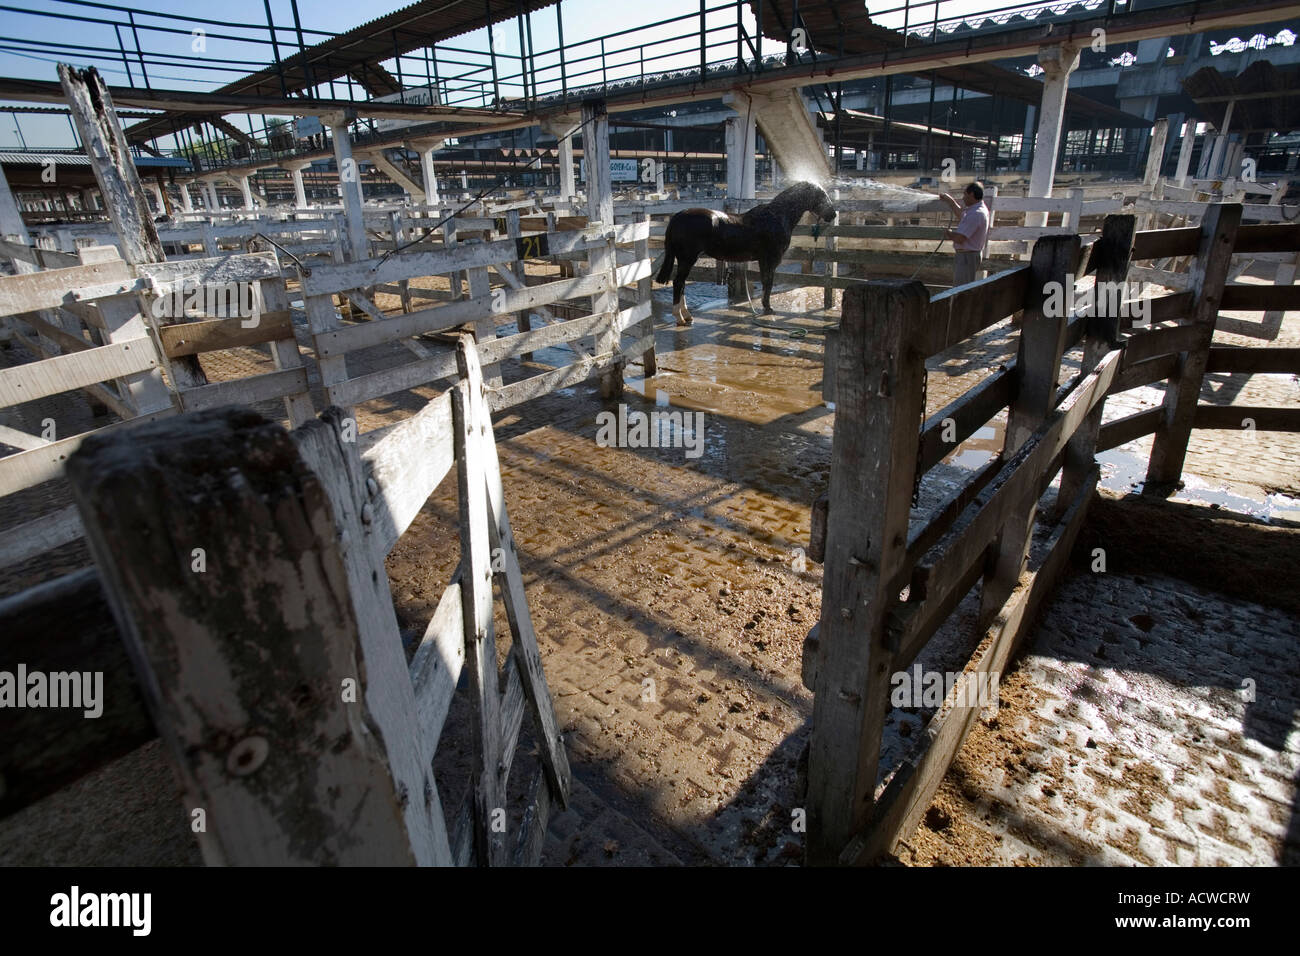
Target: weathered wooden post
(119, 183)
(1208, 274)
(602, 259)
(1109, 260)
(238, 562)
(879, 403)
(1038, 364)
(644, 292)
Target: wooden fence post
(1038, 364)
(128, 209)
(1109, 261)
(1208, 275)
(237, 562)
(603, 258)
(873, 460)
(644, 293)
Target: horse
(763, 233)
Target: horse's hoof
(682, 320)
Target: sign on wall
(620, 170)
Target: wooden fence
(106, 328)
(889, 584)
(244, 568)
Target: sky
(226, 52)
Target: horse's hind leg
(684, 264)
(767, 270)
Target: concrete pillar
(426, 149)
(349, 185)
(214, 198)
(299, 190)
(187, 204)
(11, 220)
(1027, 144)
(562, 128)
(742, 135)
(1058, 62)
(1185, 154)
(247, 190)
(158, 198)
(464, 180)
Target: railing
(890, 583)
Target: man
(970, 233)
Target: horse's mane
(790, 203)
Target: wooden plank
(1109, 259)
(1241, 417)
(330, 279)
(249, 704)
(922, 538)
(98, 129)
(532, 826)
(479, 632)
(122, 319)
(63, 338)
(437, 664)
(913, 786)
(298, 407)
(1126, 429)
(406, 465)
(959, 313)
(1230, 358)
(968, 413)
(1156, 342)
(1280, 237)
(450, 315)
(20, 439)
(246, 391)
(873, 455)
(54, 287)
(1145, 373)
(525, 650)
(535, 386)
(1209, 272)
(1038, 364)
(1166, 243)
(949, 562)
(48, 748)
(1260, 298)
(210, 335)
(25, 541)
(62, 373)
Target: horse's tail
(666, 270)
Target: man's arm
(953, 204)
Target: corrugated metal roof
(79, 159)
(418, 25)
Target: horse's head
(811, 198)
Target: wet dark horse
(762, 234)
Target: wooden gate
(245, 567)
